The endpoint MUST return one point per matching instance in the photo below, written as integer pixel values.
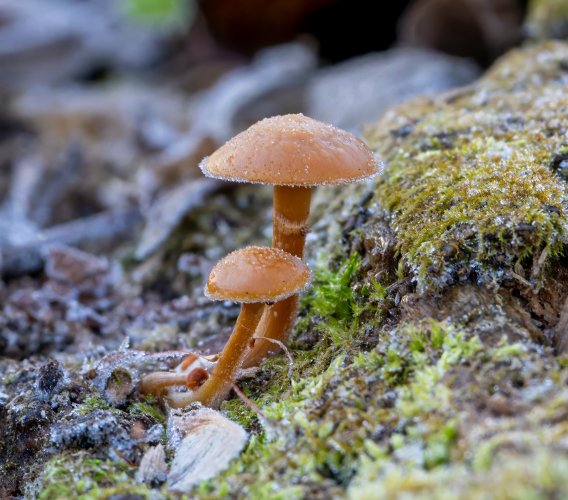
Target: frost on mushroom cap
(292, 150)
(257, 274)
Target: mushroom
(190, 373)
(294, 153)
(157, 382)
(252, 276)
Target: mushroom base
(217, 387)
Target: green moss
(92, 403)
(170, 14)
(448, 453)
(333, 298)
(427, 392)
(149, 407)
(319, 428)
(470, 188)
(506, 351)
(331, 295)
(563, 362)
(541, 474)
(83, 477)
(340, 301)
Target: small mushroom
(294, 153)
(252, 276)
(190, 373)
(157, 382)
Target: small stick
(520, 279)
(248, 402)
(285, 349)
(125, 458)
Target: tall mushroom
(252, 276)
(294, 153)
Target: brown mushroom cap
(292, 150)
(257, 274)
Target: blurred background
(107, 106)
(154, 85)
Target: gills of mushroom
(252, 276)
(294, 153)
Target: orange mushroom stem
(275, 323)
(290, 218)
(190, 373)
(290, 227)
(196, 378)
(157, 382)
(216, 388)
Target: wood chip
(205, 443)
(152, 466)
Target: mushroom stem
(289, 220)
(275, 323)
(219, 384)
(155, 383)
(290, 217)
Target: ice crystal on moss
(470, 187)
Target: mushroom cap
(292, 150)
(257, 274)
